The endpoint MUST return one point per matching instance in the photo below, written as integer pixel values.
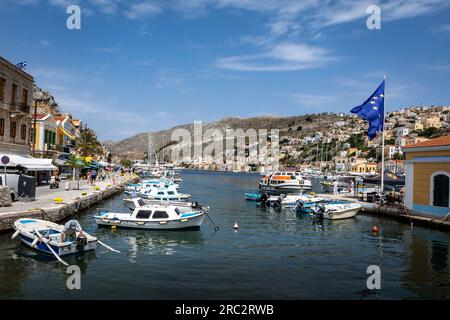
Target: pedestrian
(93, 177)
(335, 187)
(89, 176)
(352, 188)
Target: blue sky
(147, 65)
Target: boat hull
(187, 223)
(344, 214)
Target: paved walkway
(45, 195)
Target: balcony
(20, 107)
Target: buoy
(97, 188)
(113, 227)
(235, 227)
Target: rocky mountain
(294, 126)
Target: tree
(86, 144)
(76, 164)
(398, 156)
(126, 163)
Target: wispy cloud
(313, 101)
(281, 57)
(443, 28)
(142, 10)
(438, 66)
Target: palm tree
(86, 144)
(76, 164)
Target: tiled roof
(442, 141)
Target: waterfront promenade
(73, 201)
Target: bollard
(57, 200)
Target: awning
(66, 133)
(30, 163)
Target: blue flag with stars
(372, 110)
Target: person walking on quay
(352, 188)
(93, 177)
(89, 176)
(335, 187)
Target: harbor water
(275, 254)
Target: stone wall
(5, 197)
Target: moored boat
(284, 182)
(155, 217)
(45, 236)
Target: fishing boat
(155, 217)
(45, 236)
(284, 182)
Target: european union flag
(372, 110)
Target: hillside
(294, 126)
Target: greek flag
(21, 65)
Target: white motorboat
(284, 182)
(156, 217)
(136, 202)
(335, 211)
(45, 236)
(291, 200)
(170, 194)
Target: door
(441, 190)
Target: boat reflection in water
(160, 244)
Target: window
(2, 127)
(161, 193)
(23, 132)
(2, 89)
(143, 214)
(441, 190)
(141, 202)
(160, 215)
(170, 193)
(13, 96)
(24, 97)
(13, 130)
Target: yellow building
(418, 126)
(427, 180)
(432, 122)
(364, 167)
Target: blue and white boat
(45, 236)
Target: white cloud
(281, 57)
(142, 10)
(309, 100)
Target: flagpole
(382, 141)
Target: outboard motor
(194, 205)
(81, 242)
(319, 210)
(263, 199)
